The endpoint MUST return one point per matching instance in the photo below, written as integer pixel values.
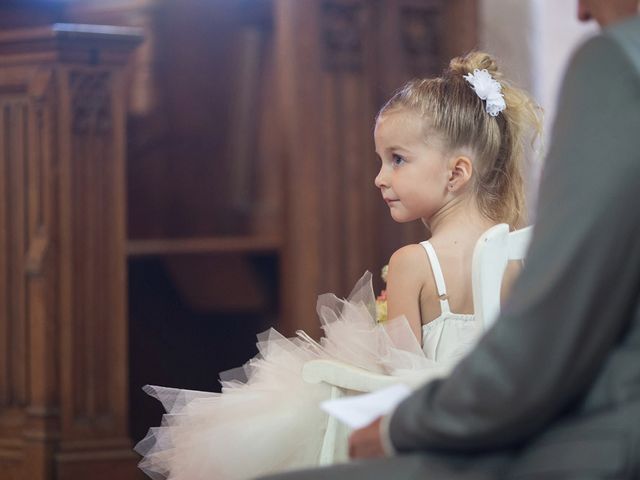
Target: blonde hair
(450, 107)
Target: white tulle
(267, 419)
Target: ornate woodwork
(63, 340)
(343, 35)
(420, 37)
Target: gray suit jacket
(553, 389)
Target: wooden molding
(69, 43)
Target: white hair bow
(488, 89)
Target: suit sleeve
(580, 284)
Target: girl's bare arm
(404, 284)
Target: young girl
(451, 150)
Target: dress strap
(437, 274)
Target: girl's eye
(397, 160)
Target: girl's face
(413, 177)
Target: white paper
(360, 410)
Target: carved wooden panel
(28, 321)
(421, 37)
(90, 102)
(343, 34)
(14, 151)
(63, 342)
(90, 199)
(42, 423)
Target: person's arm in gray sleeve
(580, 281)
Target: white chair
(493, 250)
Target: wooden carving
(420, 38)
(27, 325)
(13, 238)
(342, 35)
(91, 110)
(63, 338)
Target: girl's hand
(366, 442)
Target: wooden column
(63, 327)
(298, 59)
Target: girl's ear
(460, 172)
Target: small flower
(381, 301)
(381, 308)
(488, 89)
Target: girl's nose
(380, 180)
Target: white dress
(267, 419)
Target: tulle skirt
(267, 418)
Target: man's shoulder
(626, 31)
(612, 55)
(626, 35)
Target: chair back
(490, 256)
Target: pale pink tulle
(268, 419)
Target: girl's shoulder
(409, 254)
(411, 284)
(411, 261)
